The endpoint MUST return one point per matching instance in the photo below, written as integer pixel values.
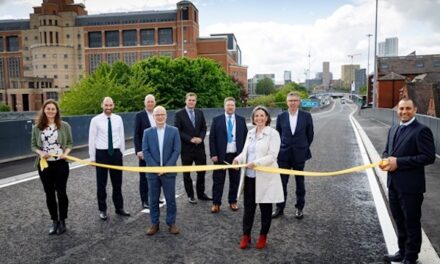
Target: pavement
(341, 223)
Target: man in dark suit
(143, 120)
(161, 147)
(296, 131)
(192, 128)
(226, 141)
(409, 148)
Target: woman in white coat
(261, 149)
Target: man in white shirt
(161, 147)
(106, 145)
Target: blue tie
(230, 128)
(193, 119)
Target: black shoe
(61, 227)
(192, 200)
(54, 228)
(204, 197)
(299, 214)
(407, 261)
(122, 212)
(145, 205)
(278, 212)
(161, 200)
(394, 258)
(103, 215)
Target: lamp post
(375, 59)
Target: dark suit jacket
(141, 123)
(218, 136)
(188, 131)
(171, 146)
(414, 149)
(295, 147)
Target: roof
(126, 18)
(14, 24)
(392, 77)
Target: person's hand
(250, 165)
(392, 163)
(160, 174)
(214, 159)
(62, 156)
(44, 155)
(196, 140)
(140, 155)
(235, 162)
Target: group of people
(287, 146)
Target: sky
(279, 35)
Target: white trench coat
(268, 186)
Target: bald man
(106, 145)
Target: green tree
(265, 86)
(168, 79)
(363, 90)
(4, 108)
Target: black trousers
(102, 156)
(54, 179)
(198, 159)
(218, 177)
(143, 183)
(249, 209)
(407, 211)
(300, 186)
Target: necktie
(192, 117)
(230, 127)
(110, 137)
(399, 133)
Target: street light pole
(375, 59)
(368, 58)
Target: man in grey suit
(161, 147)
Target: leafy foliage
(4, 108)
(265, 86)
(168, 79)
(278, 98)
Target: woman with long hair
(52, 136)
(260, 188)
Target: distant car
(342, 100)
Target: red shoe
(261, 243)
(245, 240)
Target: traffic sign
(308, 103)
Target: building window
(130, 58)
(436, 64)
(12, 43)
(80, 66)
(165, 36)
(95, 39)
(36, 38)
(129, 37)
(185, 13)
(112, 38)
(384, 66)
(420, 64)
(2, 48)
(66, 66)
(166, 54)
(67, 36)
(52, 95)
(78, 36)
(14, 67)
(2, 77)
(31, 85)
(44, 66)
(55, 76)
(147, 37)
(94, 61)
(65, 56)
(44, 56)
(112, 58)
(145, 55)
(50, 22)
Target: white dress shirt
(151, 119)
(231, 147)
(160, 137)
(293, 119)
(98, 134)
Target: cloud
(270, 47)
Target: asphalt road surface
(340, 223)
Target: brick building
(416, 76)
(41, 57)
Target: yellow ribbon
(178, 169)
